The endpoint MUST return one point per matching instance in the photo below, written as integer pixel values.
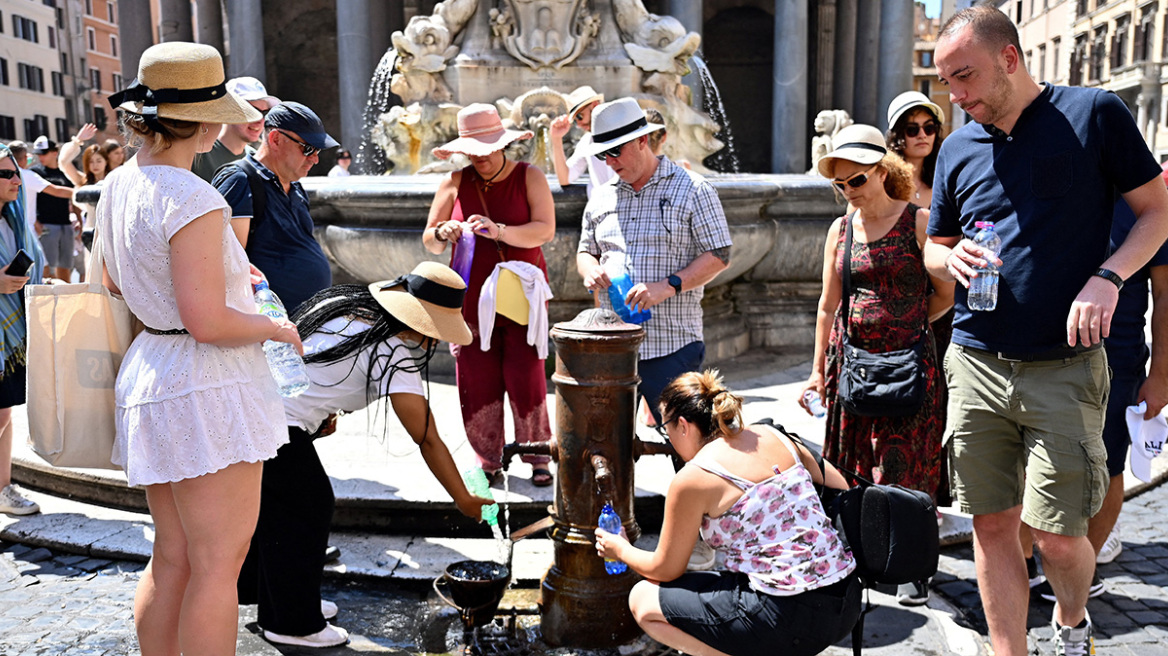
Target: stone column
(867, 55)
(896, 55)
(824, 54)
(245, 34)
(789, 145)
(209, 22)
(843, 90)
(174, 21)
(136, 34)
(361, 40)
(689, 12)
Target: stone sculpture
(544, 35)
(827, 123)
(423, 50)
(659, 46)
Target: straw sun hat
(908, 100)
(428, 300)
(580, 97)
(480, 133)
(859, 143)
(183, 81)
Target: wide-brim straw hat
(618, 122)
(859, 143)
(187, 83)
(428, 300)
(480, 133)
(581, 97)
(908, 100)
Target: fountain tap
(548, 448)
(603, 476)
(643, 448)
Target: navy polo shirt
(1127, 346)
(282, 245)
(1050, 188)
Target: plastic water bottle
(287, 366)
(983, 289)
(476, 482)
(814, 404)
(617, 292)
(463, 254)
(610, 522)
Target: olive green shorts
(1028, 433)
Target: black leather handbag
(890, 384)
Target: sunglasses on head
(308, 149)
(854, 181)
(913, 129)
(8, 174)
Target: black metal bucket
(476, 588)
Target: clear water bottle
(476, 482)
(463, 254)
(814, 404)
(610, 522)
(983, 289)
(287, 366)
(617, 292)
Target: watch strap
(675, 282)
(1112, 276)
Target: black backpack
(890, 529)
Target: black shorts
(12, 387)
(721, 610)
(1117, 439)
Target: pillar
(361, 41)
(844, 77)
(174, 21)
(689, 12)
(824, 54)
(245, 34)
(867, 56)
(209, 23)
(896, 55)
(789, 145)
(136, 34)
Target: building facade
(32, 89)
(101, 64)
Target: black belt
(1061, 353)
(173, 331)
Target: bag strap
(487, 213)
(96, 264)
(259, 195)
(847, 272)
(819, 459)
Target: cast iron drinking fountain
(595, 448)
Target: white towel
(1147, 438)
(535, 288)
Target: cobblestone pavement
(54, 603)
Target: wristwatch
(675, 283)
(1112, 276)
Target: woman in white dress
(198, 411)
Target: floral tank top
(777, 533)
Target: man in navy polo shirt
(279, 241)
(1028, 382)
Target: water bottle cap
(263, 284)
(607, 508)
(984, 224)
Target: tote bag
(77, 336)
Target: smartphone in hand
(19, 264)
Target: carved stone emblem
(544, 33)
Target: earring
(204, 129)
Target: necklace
(487, 184)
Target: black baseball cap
(302, 121)
(43, 145)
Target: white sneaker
(329, 636)
(14, 503)
(702, 559)
(1074, 641)
(328, 609)
(1112, 547)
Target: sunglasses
(855, 181)
(913, 129)
(8, 174)
(611, 152)
(663, 428)
(307, 149)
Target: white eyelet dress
(184, 408)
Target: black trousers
(282, 572)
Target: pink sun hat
(480, 133)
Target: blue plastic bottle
(617, 292)
(610, 522)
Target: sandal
(541, 477)
(494, 478)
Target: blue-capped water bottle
(983, 288)
(610, 522)
(618, 291)
(814, 404)
(287, 366)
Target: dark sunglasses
(611, 152)
(307, 149)
(855, 181)
(913, 129)
(8, 174)
(578, 117)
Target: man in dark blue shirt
(279, 240)
(1028, 382)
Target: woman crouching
(750, 493)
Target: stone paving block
(85, 623)
(69, 559)
(1146, 617)
(1144, 568)
(1150, 550)
(1126, 605)
(36, 555)
(92, 564)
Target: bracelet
(1108, 274)
(438, 236)
(501, 229)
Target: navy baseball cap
(298, 119)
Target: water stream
(725, 160)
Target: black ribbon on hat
(863, 146)
(427, 290)
(620, 132)
(152, 98)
